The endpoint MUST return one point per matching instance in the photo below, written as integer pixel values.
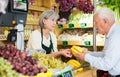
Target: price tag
(65, 43)
(60, 26)
(87, 43)
(67, 73)
(20, 0)
(83, 25)
(71, 26)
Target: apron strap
(47, 49)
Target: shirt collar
(111, 30)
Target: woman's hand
(66, 52)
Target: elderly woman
(44, 39)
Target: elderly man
(109, 58)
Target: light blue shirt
(109, 58)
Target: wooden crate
(87, 73)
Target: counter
(86, 73)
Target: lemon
(49, 73)
(25, 76)
(80, 70)
(42, 75)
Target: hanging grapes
(83, 5)
(66, 5)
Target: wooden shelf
(87, 73)
(32, 23)
(82, 25)
(36, 8)
(70, 42)
(100, 43)
(81, 43)
(4, 37)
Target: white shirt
(109, 58)
(34, 42)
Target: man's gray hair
(106, 13)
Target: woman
(44, 39)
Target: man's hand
(81, 55)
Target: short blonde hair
(47, 14)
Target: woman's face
(50, 23)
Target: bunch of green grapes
(6, 69)
(49, 62)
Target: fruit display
(66, 5)
(21, 63)
(85, 5)
(71, 34)
(48, 61)
(89, 37)
(75, 64)
(49, 73)
(17, 63)
(76, 49)
(6, 69)
(79, 18)
(80, 35)
(75, 16)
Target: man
(109, 58)
(3, 5)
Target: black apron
(47, 49)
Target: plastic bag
(3, 5)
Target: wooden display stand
(86, 73)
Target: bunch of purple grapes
(66, 5)
(22, 63)
(85, 5)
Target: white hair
(47, 14)
(106, 13)
(3, 5)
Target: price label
(87, 43)
(71, 26)
(60, 26)
(67, 73)
(65, 43)
(19, 0)
(83, 25)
